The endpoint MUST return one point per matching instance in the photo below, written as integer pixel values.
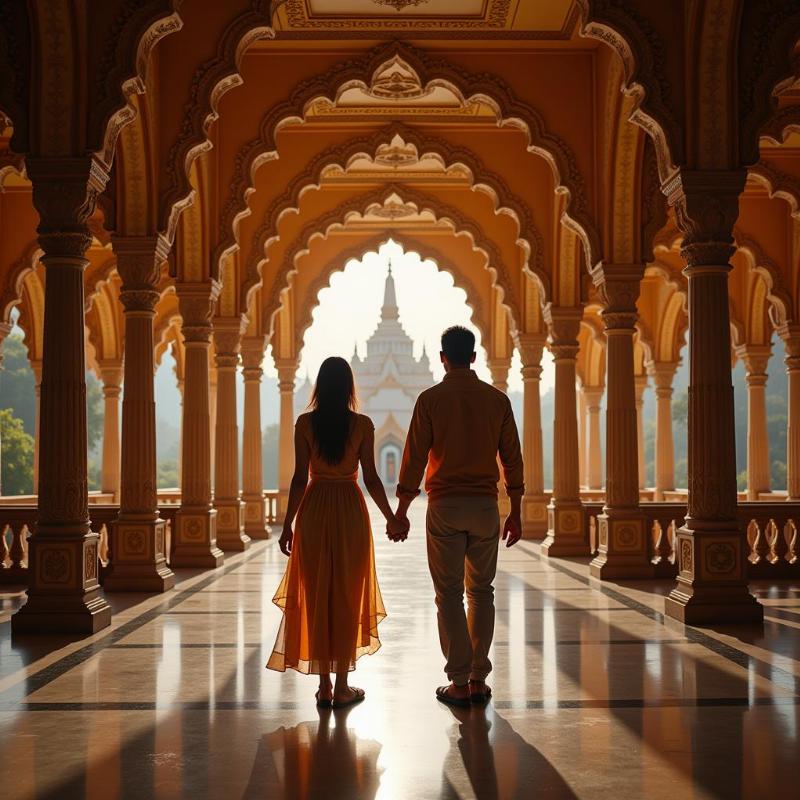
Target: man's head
(458, 348)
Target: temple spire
(389, 310)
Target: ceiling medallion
(399, 5)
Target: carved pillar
(640, 385)
(287, 369)
(663, 373)
(111, 375)
(499, 368)
(255, 510)
(138, 539)
(755, 360)
(582, 443)
(36, 366)
(63, 590)
(566, 531)
(594, 453)
(534, 501)
(623, 550)
(212, 410)
(791, 342)
(196, 521)
(711, 548)
(227, 498)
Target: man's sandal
(322, 702)
(443, 696)
(358, 696)
(480, 697)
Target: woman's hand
(397, 528)
(285, 542)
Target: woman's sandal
(358, 696)
(480, 697)
(443, 696)
(324, 702)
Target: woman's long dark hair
(334, 403)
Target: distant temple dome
(388, 382)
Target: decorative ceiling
(543, 19)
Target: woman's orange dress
(329, 593)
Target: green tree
(94, 411)
(16, 471)
(269, 456)
(168, 474)
(17, 382)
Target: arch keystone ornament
(566, 529)
(712, 579)
(63, 593)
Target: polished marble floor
(596, 695)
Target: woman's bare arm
(297, 488)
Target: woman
(329, 593)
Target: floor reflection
(316, 760)
(497, 762)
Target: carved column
(499, 369)
(534, 501)
(255, 510)
(111, 375)
(138, 540)
(287, 369)
(663, 373)
(63, 590)
(640, 383)
(227, 497)
(791, 341)
(212, 413)
(711, 548)
(582, 443)
(755, 360)
(196, 521)
(623, 550)
(566, 531)
(594, 453)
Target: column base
(623, 551)
(63, 593)
(712, 579)
(255, 516)
(196, 538)
(566, 531)
(230, 526)
(534, 516)
(138, 556)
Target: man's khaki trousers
(463, 534)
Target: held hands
(397, 528)
(285, 542)
(512, 529)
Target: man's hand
(397, 528)
(285, 542)
(512, 528)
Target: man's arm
(513, 475)
(415, 457)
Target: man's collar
(468, 374)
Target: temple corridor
(597, 694)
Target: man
(458, 428)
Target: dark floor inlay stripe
(641, 642)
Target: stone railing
(771, 529)
(271, 502)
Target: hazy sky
(349, 312)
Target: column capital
(531, 346)
(564, 323)
(755, 358)
(791, 343)
(287, 372)
(197, 302)
(640, 383)
(619, 286)
(139, 260)
(252, 350)
(593, 395)
(65, 192)
(706, 204)
(228, 339)
(499, 367)
(111, 373)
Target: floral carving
(720, 558)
